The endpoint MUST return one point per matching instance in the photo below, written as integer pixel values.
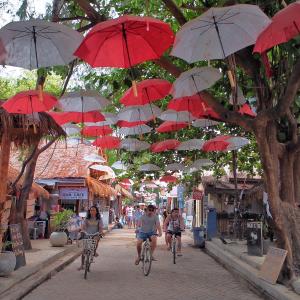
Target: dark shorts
(177, 233)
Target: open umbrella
(75, 141)
(107, 176)
(136, 130)
(29, 102)
(174, 167)
(125, 42)
(219, 32)
(139, 113)
(94, 158)
(37, 43)
(202, 123)
(133, 145)
(176, 116)
(96, 131)
(149, 168)
(198, 164)
(285, 26)
(76, 117)
(129, 124)
(82, 101)
(168, 178)
(246, 110)
(71, 129)
(195, 80)
(126, 182)
(190, 145)
(165, 145)
(118, 165)
(107, 142)
(169, 126)
(224, 143)
(148, 90)
(103, 168)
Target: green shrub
(61, 219)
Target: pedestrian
(137, 215)
(129, 214)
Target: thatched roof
(99, 188)
(124, 192)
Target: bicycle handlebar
(92, 235)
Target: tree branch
(92, 14)
(56, 7)
(166, 64)
(47, 145)
(71, 18)
(294, 126)
(86, 27)
(176, 12)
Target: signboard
(69, 193)
(180, 196)
(17, 244)
(197, 195)
(272, 265)
(254, 238)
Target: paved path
(114, 276)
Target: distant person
(118, 224)
(137, 216)
(129, 215)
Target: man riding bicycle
(174, 224)
(148, 226)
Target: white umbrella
(139, 129)
(82, 101)
(198, 164)
(139, 113)
(149, 168)
(70, 129)
(177, 116)
(103, 168)
(195, 80)
(37, 43)
(174, 167)
(94, 158)
(201, 123)
(219, 32)
(107, 176)
(118, 165)
(110, 119)
(132, 145)
(236, 143)
(189, 145)
(73, 141)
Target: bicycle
(146, 256)
(174, 244)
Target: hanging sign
(197, 195)
(254, 238)
(17, 245)
(73, 193)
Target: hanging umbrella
(202, 123)
(219, 32)
(129, 124)
(37, 43)
(71, 129)
(168, 178)
(107, 176)
(285, 26)
(118, 165)
(126, 182)
(76, 117)
(103, 168)
(110, 119)
(3, 53)
(136, 130)
(198, 164)
(139, 113)
(195, 80)
(176, 116)
(224, 143)
(125, 42)
(148, 90)
(82, 101)
(149, 168)
(174, 167)
(94, 158)
(169, 126)
(29, 102)
(107, 142)
(190, 145)
(75, 141)
(133, 145)
(246, 110)
(165, 145)
(96, 131)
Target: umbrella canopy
(82, 101)
(176, 116)
(190, 145)
(107, 142)
(149, 168)
(202, 123)
(118, 165)
(126, 182)
(71, 129)
(198, 164)
(96, 131)
(132, 145)
(129, 124)
(246, 110)
(174, 167)
(107, 176)
(193, 104)
(168, 178)
(125, 42)
(29, 102)
(169, 126)
(225, 143)
(165, 145)
(94, 158)
(110, 119)
(76, 141)
(285, 26)
(148, 90)
(139, 113)
(36, 43)
(136, 130)
(103, 168)
(76, 117)
(219, 32)
(195, 80)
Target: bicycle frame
(146, 257)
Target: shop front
(74, 198)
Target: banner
(69, 193)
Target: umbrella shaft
(35, 47)
(219, 36)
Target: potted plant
(58, 237)
(7, 260)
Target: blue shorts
(145, 235)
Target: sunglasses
(150, 209)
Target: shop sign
(73, 193)
(254, 238)
(197, 195)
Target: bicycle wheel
(87, 265)
(174, 250)
(147, 260)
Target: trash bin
(198, 234)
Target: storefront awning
(124, 192)
(99, 188)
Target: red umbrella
(168, 126)
(125, 42)
(193, 104)
(285, 26)
(96, 130)
(168, 178)
(165, 145)
(107, 142)
(29, 102)
(77, 117)
(122, 123)
(147, 91)
(246, 110)
(225, 143)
